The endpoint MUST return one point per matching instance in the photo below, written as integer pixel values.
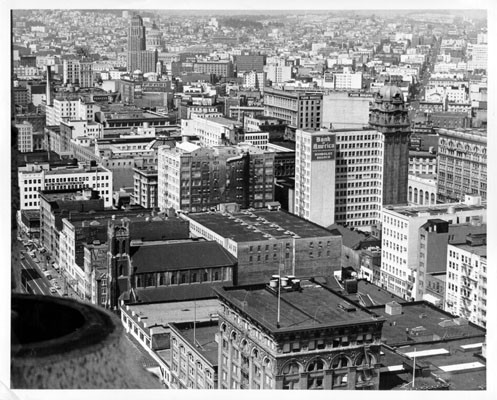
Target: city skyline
(229, 121)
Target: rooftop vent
(393, 308)
(347, 307)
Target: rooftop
(479, 250)
(256, 225)
(354, 239)
(438, 209)
(76, 170)
(224, 121)
(163, 294)
(180, 255)
(368, 295)
(457, 362)
(69, 195)
(422, 322)
(312, 307)
(175, 311)
(204, 339)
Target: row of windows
(183, 277)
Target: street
(33, 279)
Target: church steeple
(118, 260)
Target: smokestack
(49, 87)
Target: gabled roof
(183, 255)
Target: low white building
(36, 177)
(400, 246)
(466, 284)
(212, 131)
(422, 189)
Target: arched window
(291, 368)
(316, 365)
(421, 197)
(365, 371)
(291, 375)
(365, 359)
(410, 193)
(340, 362)
(255, 353)
(121, 270)
(223, 327)
(432, 198)
(316, 374)
(427, 196)
(415, 195)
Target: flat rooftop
(312, 307)
(479, 250)
(204, 340)
(423, 322)
(69, 170)
(224, 121)
(457, 362)
(248, 226)
(368, 295)
(68, 195)
(177, 311)
(438, 209)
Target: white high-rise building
(278, 73)
(315, 159)
(358, 178)
(25, 137)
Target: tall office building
(315, 176)
(24, 137)
(78, 73)
(358, 178)
(154, 38)
(195, 179)
(138, 56)
(299, 110)
(389, 115)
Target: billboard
(323, 147)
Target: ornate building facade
(308, 337)
(388, 114)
